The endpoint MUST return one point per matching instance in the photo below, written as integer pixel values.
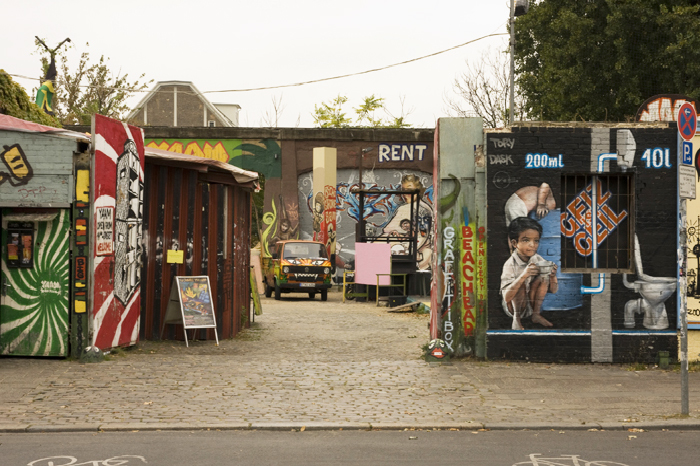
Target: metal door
(34, 294)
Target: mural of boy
(523, 286)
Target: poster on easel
(191, 305)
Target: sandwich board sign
(191, 305)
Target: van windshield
(304, 251)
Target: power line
(301, 83)
(360, 72)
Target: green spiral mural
(34, 306)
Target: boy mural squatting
(523, 288)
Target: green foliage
(15, 102)
(91, 88)
(331, 114)
(599, 60)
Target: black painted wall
(586, 327)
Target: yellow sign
(175, 256)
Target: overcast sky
(220, 45)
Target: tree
(91, 88)
(271, 117)
(331, 114)
(599, 60)
(483, 90)
(15, 102)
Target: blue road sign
(687, 121)
(687, 153)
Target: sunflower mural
(34, 305)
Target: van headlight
(285, 269)
(327, 270)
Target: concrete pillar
(323, 201)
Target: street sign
(687, 153)
(687, 121)
(686, 182)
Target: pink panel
(370, 260)
(117, 197)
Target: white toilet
(654, 292)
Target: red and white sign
(687, 121)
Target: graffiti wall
(36, 178)
(117, 225)
(384, 214)
(582, 243)
(290, 202)
(258, 155)
(35, 170)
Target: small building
(180, 104)
(202, 207)
(41, 308)
(84, 225)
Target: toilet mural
(581, 260)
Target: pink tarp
(372, 259)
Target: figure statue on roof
(44, 96)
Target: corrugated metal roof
(10, 123)
(241, 176)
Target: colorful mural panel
(35, 274)
(259, 155)
(118, 187)
(384, 214)
(577, 246)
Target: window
(212, 123)
(597, 236)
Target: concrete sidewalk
(313, 365)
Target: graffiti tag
(19, 170)
(26, 193)
(401, 152)
(658, 157)
(536, 459)
(502, 180)
(448, 279)
(500, 160)
(543, 161)
(50, 287)
(576, 220)
(503, 143)
(104, 228)
(73, 461)
(468, 276)
(662, 108)
(207, 150)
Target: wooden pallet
(408, 307)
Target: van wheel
(312, 295)
(278, 292)
(268, 290)
(324, 295)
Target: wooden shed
(202, 207)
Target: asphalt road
(406, 448)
